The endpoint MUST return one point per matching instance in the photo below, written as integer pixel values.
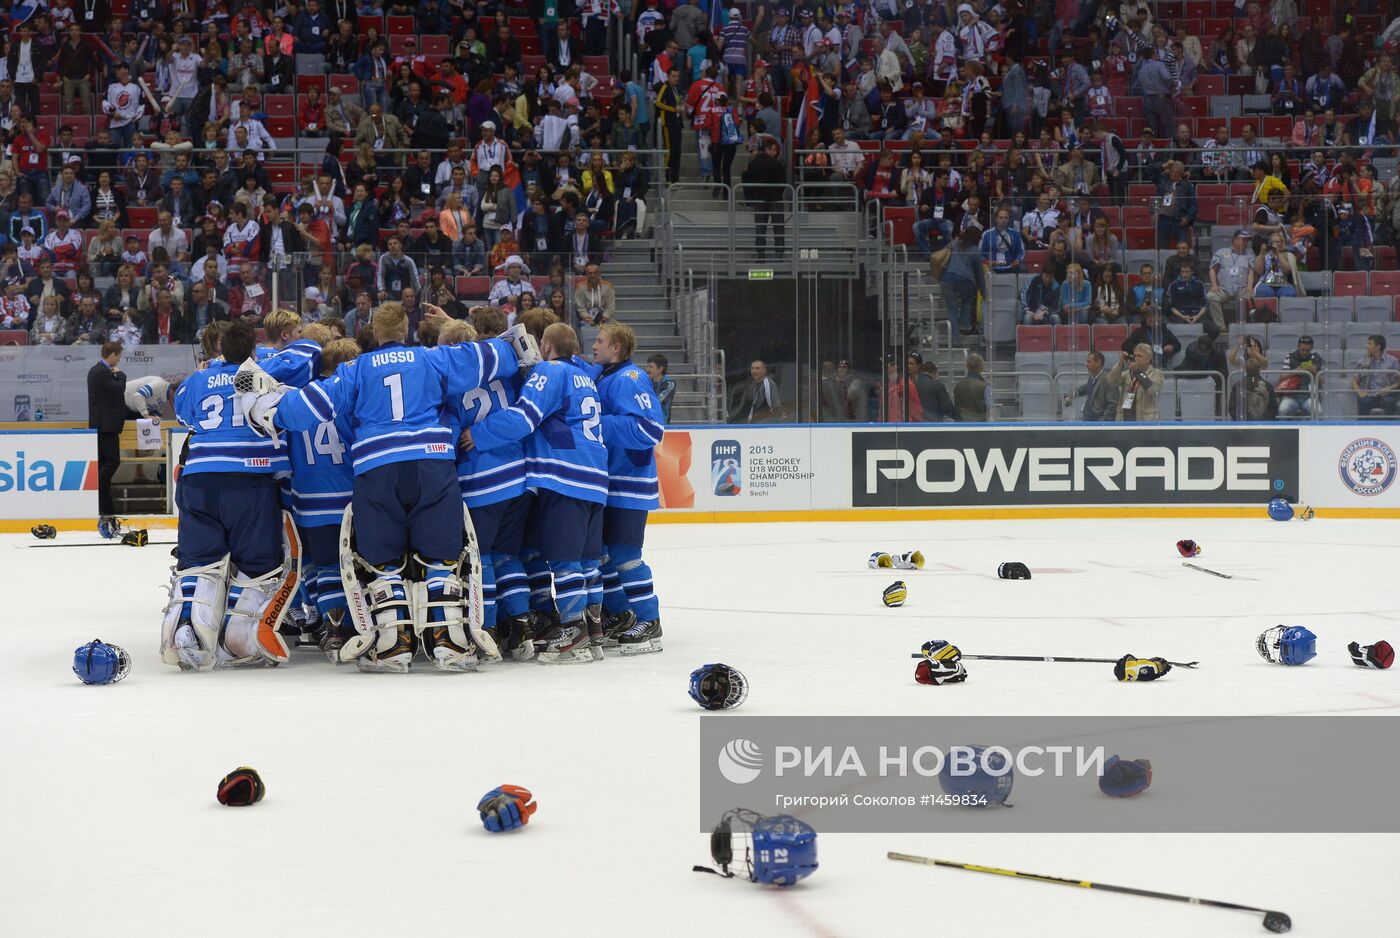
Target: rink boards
(875, 472)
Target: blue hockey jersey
(394, 397)
(560, 418)
(221, 441)
(487, 476)
(296, 365)
(632, 429)
(322, 477)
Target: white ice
(110, 826)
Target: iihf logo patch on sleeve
(727, 467)
(1367, 466)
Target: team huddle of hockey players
(483, 499)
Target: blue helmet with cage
(1280, 510)
(98, 662)
(982, 776)
(784, 851)
(718, 686)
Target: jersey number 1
(395, 385)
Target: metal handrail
(1313, 391)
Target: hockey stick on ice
(103, 544)
(1174, 664)
(1223, 576)
(1276, 922)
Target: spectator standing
(1253, 397)
(1158, 88)
(1139, 384)
(1229, 279)
(934, 400)
(764, 179)
(901, 396)
(1097, 391)
(963, 279)
(971, 394)
(107, 415)
(662, 383)
(758, 399)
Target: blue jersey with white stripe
(560, 418)
(221, 441)
(322, 477)
(632, 428)
(296, 365)
(394, 397)
(487, 476)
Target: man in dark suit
(584, 246)
(107, 415)
(28, 60)
(562, 49)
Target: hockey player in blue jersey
(632, 427)
(231, 535)
(559, 418)
(289, 358)
(493, 489)
(406, 503)
(322, 482)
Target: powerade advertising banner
(1086, 466)
(46, 475)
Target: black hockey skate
(334, 631)
(642, 638)
(614, 624)
(566, 643)
(593, 619)
(514, 637)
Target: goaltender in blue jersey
(560, 419)
(633, 428)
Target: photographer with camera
(1139, 383)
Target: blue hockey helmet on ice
(718, 686)
(778, 851)
(98, 662)
(977, 773)
(1280, 510)
(784, 851)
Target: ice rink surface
(110, 826)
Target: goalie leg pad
(252, 628)
(193, 616)
(439, 617)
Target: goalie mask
(718, 687)
(777, 851)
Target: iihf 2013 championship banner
(52, 379)
(1114, 465)
(49, 474)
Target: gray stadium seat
(1226, 106)
(1257, 104)
(1001, 317)
(1033, 385)
(1249, 328)
(1316, 282)
(1356, 334)
(1297, 309)
(1335, 309)
(1328, 341)
(1195, 397)
(1373, 308)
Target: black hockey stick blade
(116, 543)
(1174, 664)
(1276, 922)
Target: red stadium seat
(1033, 338)
(1385, 283)
(1277, 127)
(1349, 284)
(401, 26)
(902, 219)
(1071, 338)
(1109, 339)
(1034, 261)
(282, 127)
(530, 46)
(348, 84)
(1210, 85)
(434, 46)
(596, 65)
(306, 82)
(279, 105)
(521, 25)
(1141, 194)
(14, 337)
(1207, 126)
(1142, 239)
(473, 287)
(281, 174)
(142, 218)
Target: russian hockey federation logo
(1367, 466)
(727, 467)
(741, 761)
